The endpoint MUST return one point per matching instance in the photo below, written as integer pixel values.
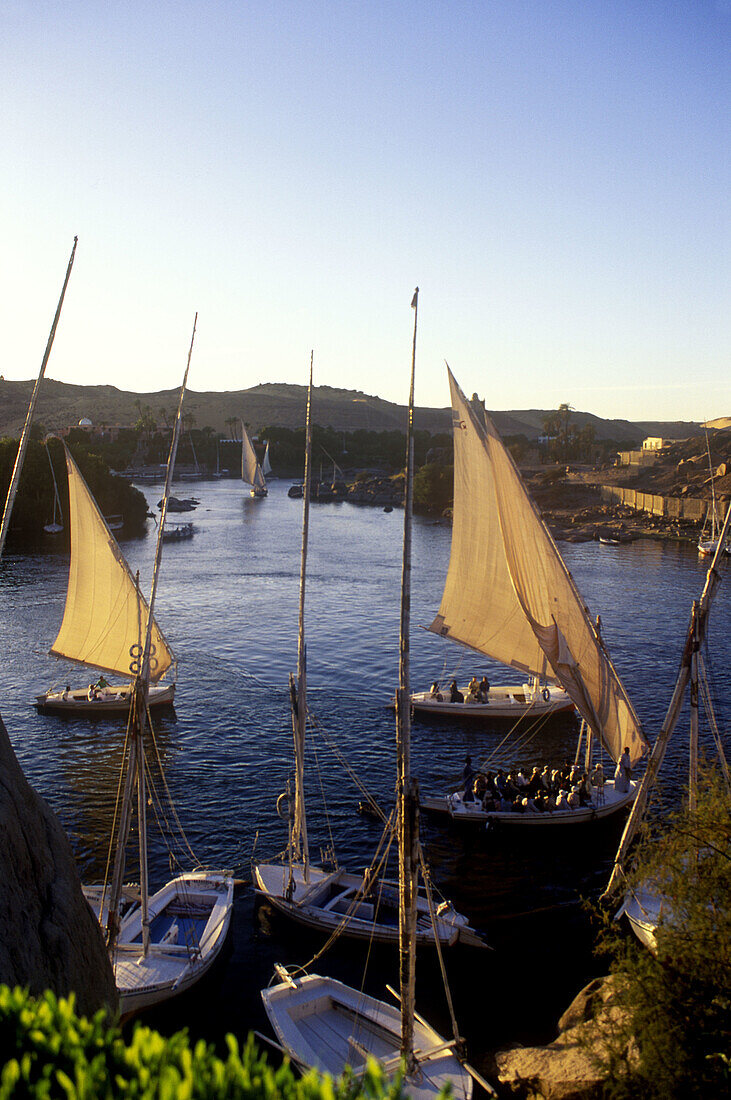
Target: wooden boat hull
(257, 494)
(114, 699)
(328, 901)
(613, 802)
(503, 702)
(323, 1023)
(189, 921)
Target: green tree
(671, 1036)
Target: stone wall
(680, 508)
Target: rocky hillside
(61, 405)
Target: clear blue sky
(554, 174)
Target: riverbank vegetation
(669, 1036)
(34, 504)
(48, 1052)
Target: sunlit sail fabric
(103, 618)
(544, 593)
(250, 468)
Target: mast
(298, 692)
(693, 641)
(407, 792)
(23, 445)
(693, 740)
(141, 668)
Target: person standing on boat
(468, 777)
(623, 773)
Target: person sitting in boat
(549, 802)
(546, 778)
(500, 782)
(479, 788)
(562, 801)
(555, 780)
(573, 798)
(597, 776)
(102, 682)
(520, 779)
(455, 695)
(484, 690)
(474, 686)
(435, 693)
(473, 696)
(92, 693)
(623, 774)
(585, 790)
(529, 805)
(535, 783)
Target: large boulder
(49, 937)
(570, 1067)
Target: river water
(228, 602)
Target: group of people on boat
(542, 790)
(95, 690)
(478, 691)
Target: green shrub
(48, 1052)
(673, 1033)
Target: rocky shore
(573, 509)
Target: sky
(552, 174)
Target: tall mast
(136, 765)
(407, 794)
(298, 692)
(23, 446)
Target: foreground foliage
(47, 1051)
(673, 1036)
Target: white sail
(509, 594)
(266, 466)
(105, 616)
(250, 468)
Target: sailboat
(101, 621)
(159, 945)
(266, 466)
(363, 906)
(25, 434)
(477, 609)
(251, 471)
(55, 527)
(509, 594)
(327, 1025)
(644, 905)
(709, 539)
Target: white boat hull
(503, 702)
(643, 909)
(326, 1025)
(611, 802)
(331, 900)
(189, 920)
(113, 699)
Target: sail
(104, 617)
(250, 468)
(544, 594)
(266, 466)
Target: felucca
(103, 617)
(710, 539)
(251, 471)
(364, 906)
(159, 945)
(644, 904)
(325, 1024)
(509, 594)
(478, 604)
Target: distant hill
(60, 405)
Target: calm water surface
(228, 605)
